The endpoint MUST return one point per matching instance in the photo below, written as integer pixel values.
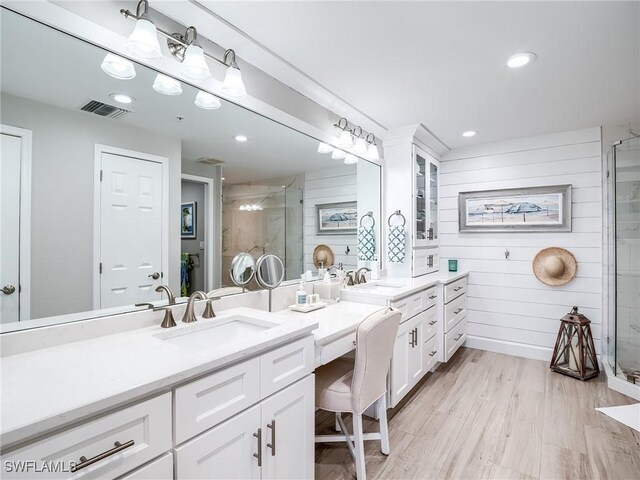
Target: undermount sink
(365, 286)
(201, 336)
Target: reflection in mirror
(269, 271)
(242, 269)
(112, 184)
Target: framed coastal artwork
(188, 222)
(531, 209)
(337, 218)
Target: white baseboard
(509, 348)
(620, 385)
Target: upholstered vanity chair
(352, 385)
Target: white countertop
(48, 388)
(403, 287)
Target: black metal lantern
(574, 353)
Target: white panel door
(130, 230)
(288, 423)
(399, 377)
(10, 157)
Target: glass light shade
(338, 154)
(346, 140)
(233, 86)
(373, 152)
(350, 159)
(167, 85)
(118, 67)
(143, 41)
(207, 101)
(194, 64)
(361, 146)
(324, 148)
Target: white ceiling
(47, 66)
(443, 64)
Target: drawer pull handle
(85, 462)
(433, 353)
(457, 289)
(458, 337)
(433, 322)
(458, 311)
(432, 297)
(258, 455)
(272, 445)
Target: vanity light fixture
(324, 148)
(521, 59)
(372, 151)
(338, 154)
(240, 138)
(122, 98)
(469, 133)
(350, 159)
(143, 41)
(346, 138)
(167, 85)
(185, 48)
(361, 144)
(207, 101)
(118, 67)
(252, 207)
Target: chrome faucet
(189, 315)
(167, 290)
(361, 275)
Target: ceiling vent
(210, 161)
(104, 109)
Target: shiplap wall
(510, 311)
(329, 185)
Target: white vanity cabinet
(452, 306)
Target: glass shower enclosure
(623, 266)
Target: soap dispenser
(301, 295)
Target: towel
(397, 241)
(366, 243)
(185, 266)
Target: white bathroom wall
(329, 185)
(510, 311)
(62, 198)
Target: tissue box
(327, 291)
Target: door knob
(8, 289)
(154, 275)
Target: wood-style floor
(489, 416)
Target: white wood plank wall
(329, 185)
(510, 311)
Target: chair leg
(359, 447)
(384, 427)
(338, 415)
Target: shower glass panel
(624, 248)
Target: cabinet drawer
(161, 468)
(430, 323)
(145, 427)
(455, 289)
(432, 296)
(411, 305)
(454, 339)
(454, 312)
(425, 260)
(201, 404)
(331, 351)
(430, 354)
(285, 365)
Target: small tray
(307, 307)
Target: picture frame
(529, 209)
(340, 218)
(188, 220)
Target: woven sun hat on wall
(322, 256)
(555, 266)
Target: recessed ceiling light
(121, 98)
(521, 59)
(469, 133)
(240, 138)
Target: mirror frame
(260, 279)
(235, 262)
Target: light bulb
(324, 148)
(207, 101)
(350, 159)
(167, 85)
(372, 153)
(118, 67)
(143, 41)
(361, 146)
(194, 65)
(346, 140)
(233, 86)
(469, 133)
(338, 154)
(521, 59)
(122, 98)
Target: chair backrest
(375, 338)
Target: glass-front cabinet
(425, 195)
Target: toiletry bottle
(301, 295)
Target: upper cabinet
(425, 193)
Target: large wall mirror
(112, 187)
